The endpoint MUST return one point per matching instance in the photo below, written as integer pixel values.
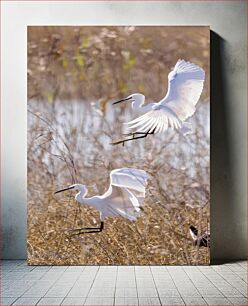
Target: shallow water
(80, 121)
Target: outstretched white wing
(185, 84)
(126, 193)
(157, 121)
(184, 90)
(129, 178)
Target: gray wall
(227, 20)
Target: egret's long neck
(81, 197)
(139, 105)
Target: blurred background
(74, 73)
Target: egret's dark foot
(143, 135)
(137, 133)
(86, 230)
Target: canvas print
(118, 145)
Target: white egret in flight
(124, 197)
(185, 84)
(199, 239)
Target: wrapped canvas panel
(103, 192)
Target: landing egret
(185, 84)
(199, 239)
(124, 196)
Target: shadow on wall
(225, 236)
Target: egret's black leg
(129, 139)
(138, 133)
(85, 230)
(143, 135)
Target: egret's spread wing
(129, 178)
(157, 120)
(185, 84)
(126, 193)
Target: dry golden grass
(159, 237)
(68, 142)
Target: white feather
(184, 89)
(185, 84)
(125, 195)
